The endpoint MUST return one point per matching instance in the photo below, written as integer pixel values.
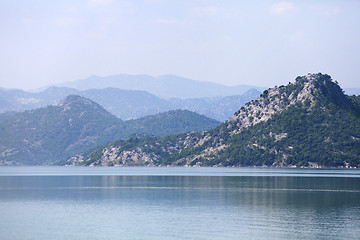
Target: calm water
(178, 203)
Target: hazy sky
(232, 42)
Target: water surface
(178, 203)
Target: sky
(232, 42)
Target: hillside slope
(310, 122)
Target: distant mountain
(125, 104)
(308, 123)
(19, 100)
(50, 134)
(167, 86)
(219, 108)
(128, 104)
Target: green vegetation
(326, 134)
(327, 138)
(176, 121)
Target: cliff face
(308, 122)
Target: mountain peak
(329, 90)
(77, 103)
(72, 99)
(306, 90)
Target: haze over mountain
(216, 41)
(126, 104)
(52, 133)
(166, 86)
(310, 122)
(219, 108)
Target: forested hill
(38, 136)
(309, 122)
(77, 124)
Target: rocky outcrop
(274, 101)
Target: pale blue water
(178, 203)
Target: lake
(178, 203)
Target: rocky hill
(50, 134)
(310, 122)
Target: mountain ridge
(165, 86)
(126, 104)
(310, 122)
